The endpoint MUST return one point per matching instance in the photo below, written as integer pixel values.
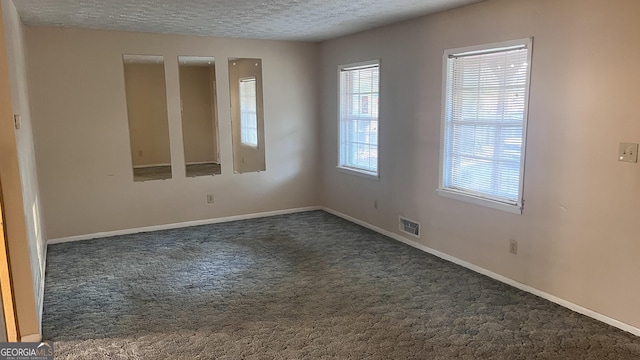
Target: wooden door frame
(6, 283)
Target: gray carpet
(302, 286)
(164, 172)
(194, 170)
(152, 173)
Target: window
(359, 86)
(248, 114)
(484, 124)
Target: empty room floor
(301, 286)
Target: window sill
(357, 172)
(458, 195)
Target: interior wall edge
(40, 299)
(503, 279)
(19, 251)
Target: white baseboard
(180, 225)
(31, 338)
(564, 303)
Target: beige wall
(147, 114)
(248, 159)
(198, 109)
(84, 162)
(579, 234)
(26, 241)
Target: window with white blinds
(359, 87)
(248, 112)
(484, 123)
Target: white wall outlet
(513, 247)
(209, 198)
(628, 152)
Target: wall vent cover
(410, 227)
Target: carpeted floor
(152, 173)
(164, 172)
(301, 286)
(193, 170)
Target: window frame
(343, 167)
(467, 196)
(255, 84)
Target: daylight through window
(248, 114)
(485, 122)
(359, 87)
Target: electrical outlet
(628, 152)
(375, 204)
(209, 198)
(513, 247)
(17, 121)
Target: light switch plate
(628, 152)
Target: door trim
(6, 282)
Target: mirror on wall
(199, 115)
(147, 113)
(247, 115)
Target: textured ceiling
(310, 20)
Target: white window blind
(359, 87)
(248, 113)
(485, 123)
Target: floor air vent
(410, 227)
